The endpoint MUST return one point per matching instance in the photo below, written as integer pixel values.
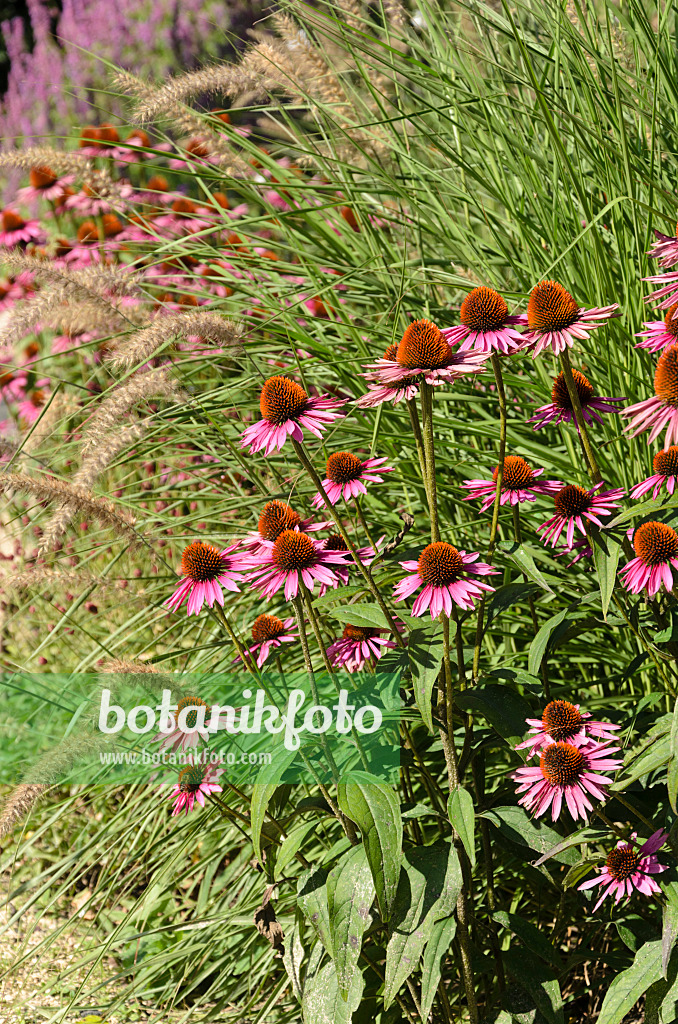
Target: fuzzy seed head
(41, 177)
(551, 308)
(294, 551)
(11, 221)
(267, 627)
(281, 400)
(335, 542)
(342, 467)
(666, 377)
(358, 633)
(671, 325)
(666, 462)
(560, 396)
(275, 517)
(192, 716)
(562, 764)
(517, 474)
(191, 777)
(622, 862)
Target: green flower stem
(364, 570)
(518, 536)
(418, 439)
(219, 612)
(639, 637)
(430, 457)
(587, 447)
(363, 523)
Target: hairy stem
(587, 448)
(430, 455)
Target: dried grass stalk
(19, 804)
(143, 345)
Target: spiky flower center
(88, 232)
(192, 716)
(440, 564)
(666, 377)
(267, 627)
(11, 221)
(335, 542)
(560, 396)
(359, 633)
(655, 543)
(342, 467)
(41, 177)
(281, 400)
(516, 473)
(551, 308)
(293, 551)
(666, 462)
(391, 353)
(671, 325)
(483, 309)
(156, 183)
(275, 517)
(562, 764)
(423, 347)
(191, 777)
(561, 720)
(622, 862)
(572, 501)
(183, 206)
(202, 562)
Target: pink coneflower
(656, 547)
(667, 294)
(575, 504)
(195, 720)
(560, 408)
(665, 466)
(394, 393)
(275, 517)
(446, 576)
(16, 230)
(286, 408)
(562, 722)
(565, 770)
(357, 647)
(518, 483)
(423, 351)
(665, 249)
(630, 867)
(661, 411)
(196, 781)
(347, 476)
(293, 557)
(660, 334)
(485, 324)
(580, 549)
(269, 632)
(30, 408)
(555, 320)
(43, 184)
(335, 542)
(207, 570)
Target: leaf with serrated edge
(323, 1002)
(350, 893)
(312, 900)
(375, 809)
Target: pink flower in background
(30, 407)
(519, 483)
(286, 408)
(294, 558)
(358, 646)
(661, 411)
(447, 576)
(575, 504)
(196, 782)
(555, 321)
(562, 722)
(659, 334)
(207, 570)
(560, 410)
(44, 184)
(269, 632)
(195, 717)
(665, 466)
(630, 867)
(566, 772)
(667, 293)
(485, 324)
(347, 477)
(275, 517)
(656, 547)
(665, 249)
(380, 393)
(423, 351)
(17, 231)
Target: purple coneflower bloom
(195, 720)
(269, 632)
(196, 781)
(347, 476)
(357, 647)
(518, 483)
(575, 504)
(667, 294)
(286, 408)
(335, 542)
(380, 393)
(566, 771)
(665, 249)
(580, 548)
(293, 557)
(485, 324)
(16, 230)
(275, 517)
(562, 722)
(423, 351)
(560, 408)
(661, 411)
(207, 570)
(656, 547)
(660, 334)
(555, 320)
(665, 466)
(447, 578)
(43, 184)
(630, 867)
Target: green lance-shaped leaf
(362, 614)
(503, 708)
(350, 893)
(538, 981)
(431, 969)
(534, 938)
(672, 776)
(265, 785)
(462, 817)
(515, 824)
(606, 553)
(323, 1002)
(669, 924)
(430, 883)
(626, 989)
(312, 900)
(375, 809)
(540, 642)
(425, 651)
